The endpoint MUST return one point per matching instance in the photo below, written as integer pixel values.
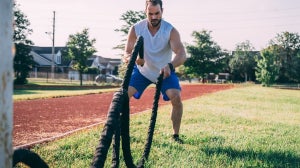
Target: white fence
(71, 76)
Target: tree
(287, 46)
(80, 48)
(205, 56)
(243, 62)
(130, 18)
(23, 62)
(267, 69)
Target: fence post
(6, 84)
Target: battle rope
(118, 121)
(29, 158)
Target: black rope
(108, 130)
(114, 115)
(152, 122)
(29, 158)
(137, 49)
(125, 131)
(116, 145)
(118, 121)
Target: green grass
(38, 94)
(38, 88)
(243, 127)
(65, 82)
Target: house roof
(46, 50)
(40, 60)
(42, 57)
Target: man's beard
(155, 22)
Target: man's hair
(154, 3)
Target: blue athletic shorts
(140, 83)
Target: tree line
(279, 62)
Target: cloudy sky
(231, 21)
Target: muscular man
(161, 39)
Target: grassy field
(49, 81)
(38, 88)
(247, 126)
(38, 94)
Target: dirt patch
(39, 119)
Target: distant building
(105, 65)
(42, 57)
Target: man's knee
(175, 97)
(131, 91)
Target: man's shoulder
(167, 25)
(141, 22)
(140, 26)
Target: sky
(230, 21)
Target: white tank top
(157, 49)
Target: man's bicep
(130, 41)
(175, 42)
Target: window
(58, 58)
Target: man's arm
(178, 48)
(131, 40)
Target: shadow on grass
(270, 158)
(21, 92)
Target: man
(160, 40)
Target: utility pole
(6, 84)
(53, 46)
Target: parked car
(108, 78)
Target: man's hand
(140, 61)
(126, 58)
(167, 71)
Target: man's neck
(153, 30)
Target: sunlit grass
(50, 81)
(37, 94)
(47, 88)
(242, 127)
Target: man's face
(154, 14)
